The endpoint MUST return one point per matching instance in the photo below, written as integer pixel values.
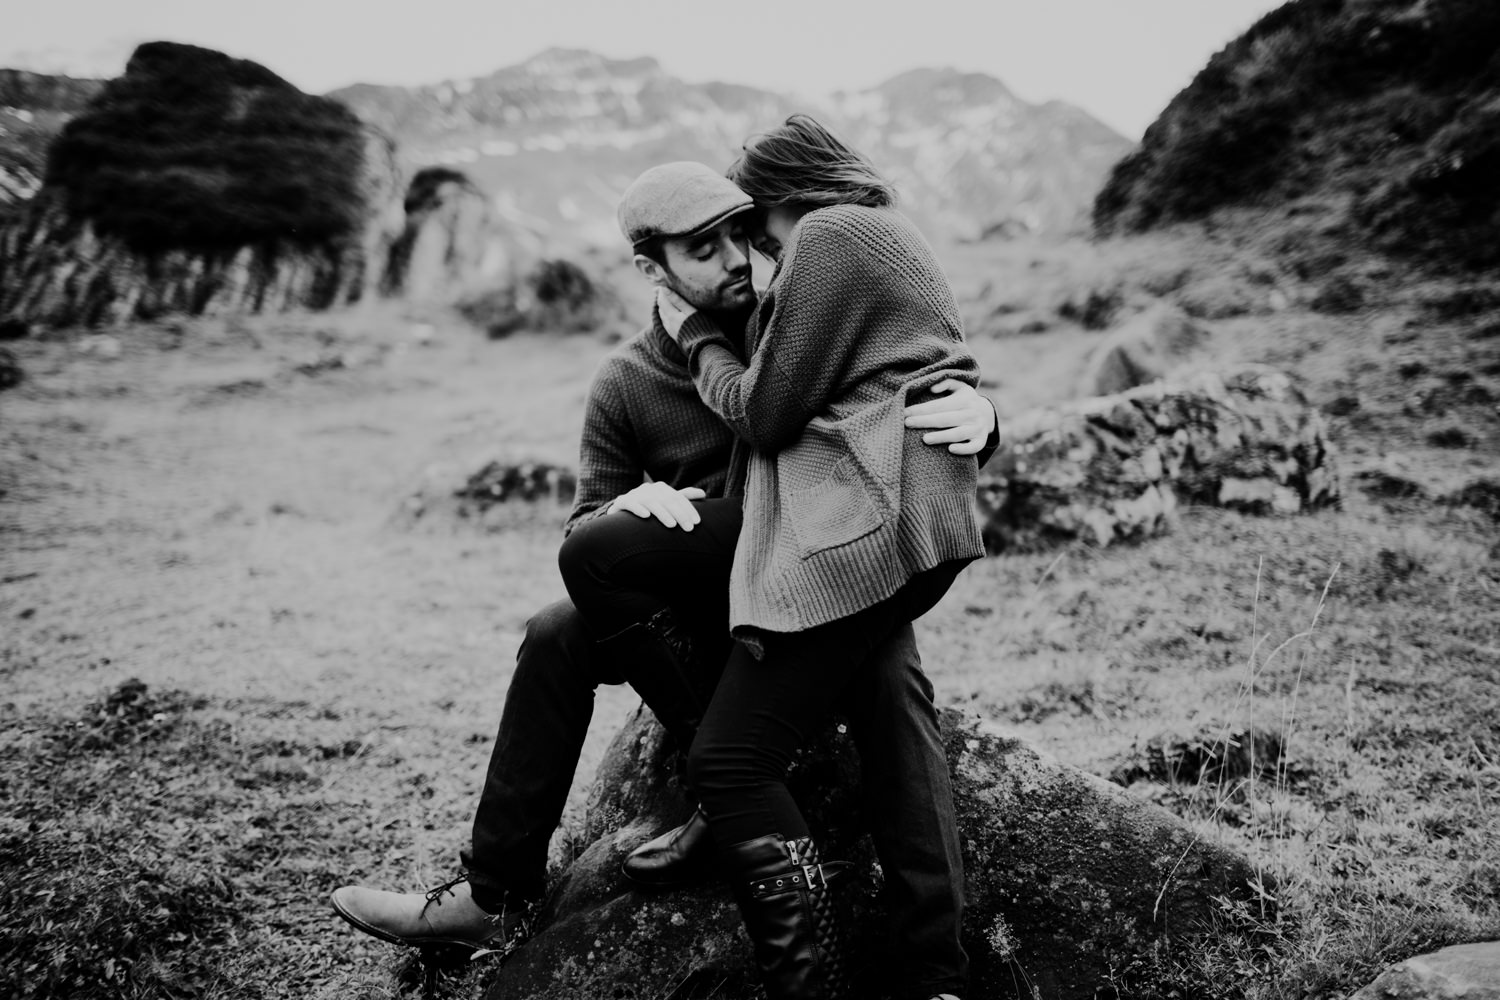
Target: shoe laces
(435, 895)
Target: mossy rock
(1070, 881)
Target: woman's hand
(673, 309)
(963, 418)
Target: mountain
(34, 107)
(1366, 122)
(558, 137)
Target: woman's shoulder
(857, 221)
(882, 235)
(856, 231)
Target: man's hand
(963, 418)
(671, 507)
(673, 309)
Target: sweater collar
(663, 342)
(733, 327)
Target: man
(644, 419)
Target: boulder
(1068, 879)
(498, 495)
(249, 196)
(1470, 971)
(1139, 351)
(1115, 468)
(451, 241)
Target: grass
(223, 514)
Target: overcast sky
(1120, 60)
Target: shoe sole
(376, 932)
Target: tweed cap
(677, 199)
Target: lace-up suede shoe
(446, 915)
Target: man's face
(711, 269)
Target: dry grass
(218, 512)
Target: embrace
(771, 490)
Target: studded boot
(792, 914)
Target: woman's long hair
(801, 162)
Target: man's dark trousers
(545, 720)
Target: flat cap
(678, 199)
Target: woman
(850, 526)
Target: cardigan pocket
(835, 511)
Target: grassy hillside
(1387, 109)
(191, 148)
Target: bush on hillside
(1389, 103)
(191, 148)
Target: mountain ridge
(556, 137)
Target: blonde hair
(802, 162)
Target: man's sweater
(644, 418)
(843, 504)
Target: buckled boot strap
(804, 877)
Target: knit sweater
(644, 419)
(843, 504)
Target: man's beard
(730, 317)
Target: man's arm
(962, 419)
(609, 463)
(611, 472)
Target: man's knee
(557, 638)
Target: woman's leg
(761, 714)
(764, 710)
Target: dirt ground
(227, 509)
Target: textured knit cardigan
(843, 504)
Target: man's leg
(543, 725)
(546, 716)
(908, 799)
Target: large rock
(196, 183)
(451, 243)
(1139, 351)
(1116, 467)
(1467, 971)
(1067, 878)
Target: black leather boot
(791, 913)
(683, 854)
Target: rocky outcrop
(1140, 351)
(1115, 468)
(216, 229)
(1381, 118)
(452, 242)
(33, 109)
(1067, 878)
(1467, 971)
